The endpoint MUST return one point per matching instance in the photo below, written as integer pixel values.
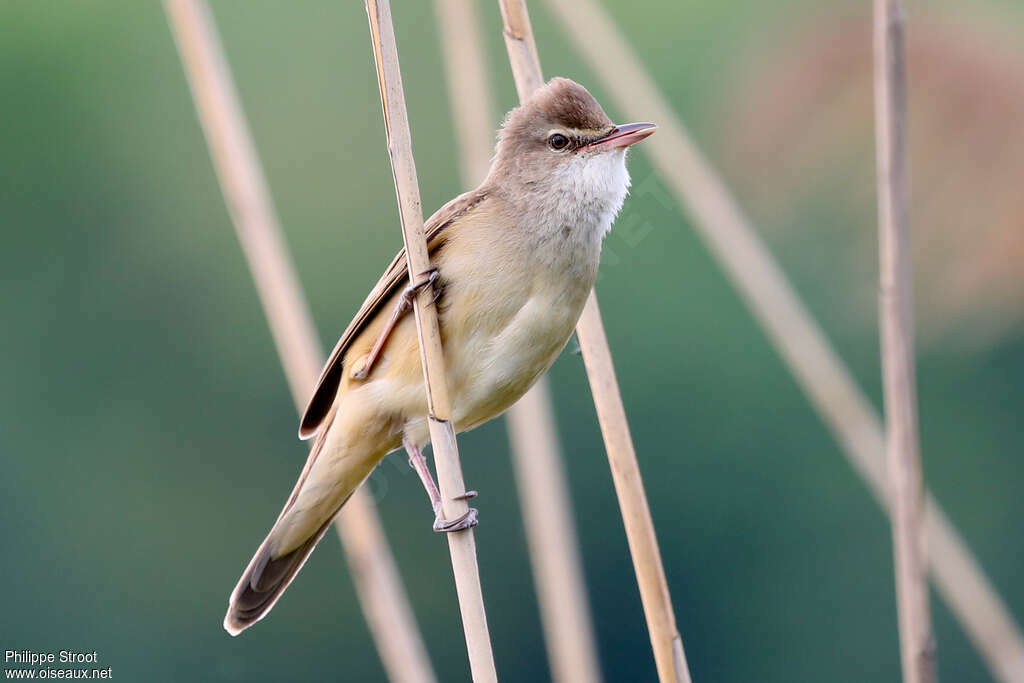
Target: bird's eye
(558, 142)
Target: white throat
(567, 216)
(593, 187)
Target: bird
(513, 262)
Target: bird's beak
(623, 136)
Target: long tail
(265, 579)
(322, 489)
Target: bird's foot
(404, 306)
(430, 276)
(460, 523)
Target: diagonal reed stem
(801, 343)
(461, 544)
(540, 476)
(551, 535)
(378, 583)
(669, 657)
(917, 645)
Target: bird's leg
(419, 463)
(403, 307)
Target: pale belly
(507, 364)
(497, 357)
(510, 301)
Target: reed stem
(917, 645)
(666, 642)
(461, 544)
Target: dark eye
(558, 142)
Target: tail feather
(265, 579)
(281, 556)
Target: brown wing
(395, 277)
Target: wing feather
(394, 278)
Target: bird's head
(561, 141)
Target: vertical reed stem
(917, 646)
(378, 583)
(636, 515)
(540, 477)
(461, 544)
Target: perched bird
(513, 263)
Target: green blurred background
(149, 438)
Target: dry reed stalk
(469, 87)
(801, 343)
(636, 515)
(551, 535)
(917, 646)
(378, 584)
(666, 642)
(461, 544)
(540, 476)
